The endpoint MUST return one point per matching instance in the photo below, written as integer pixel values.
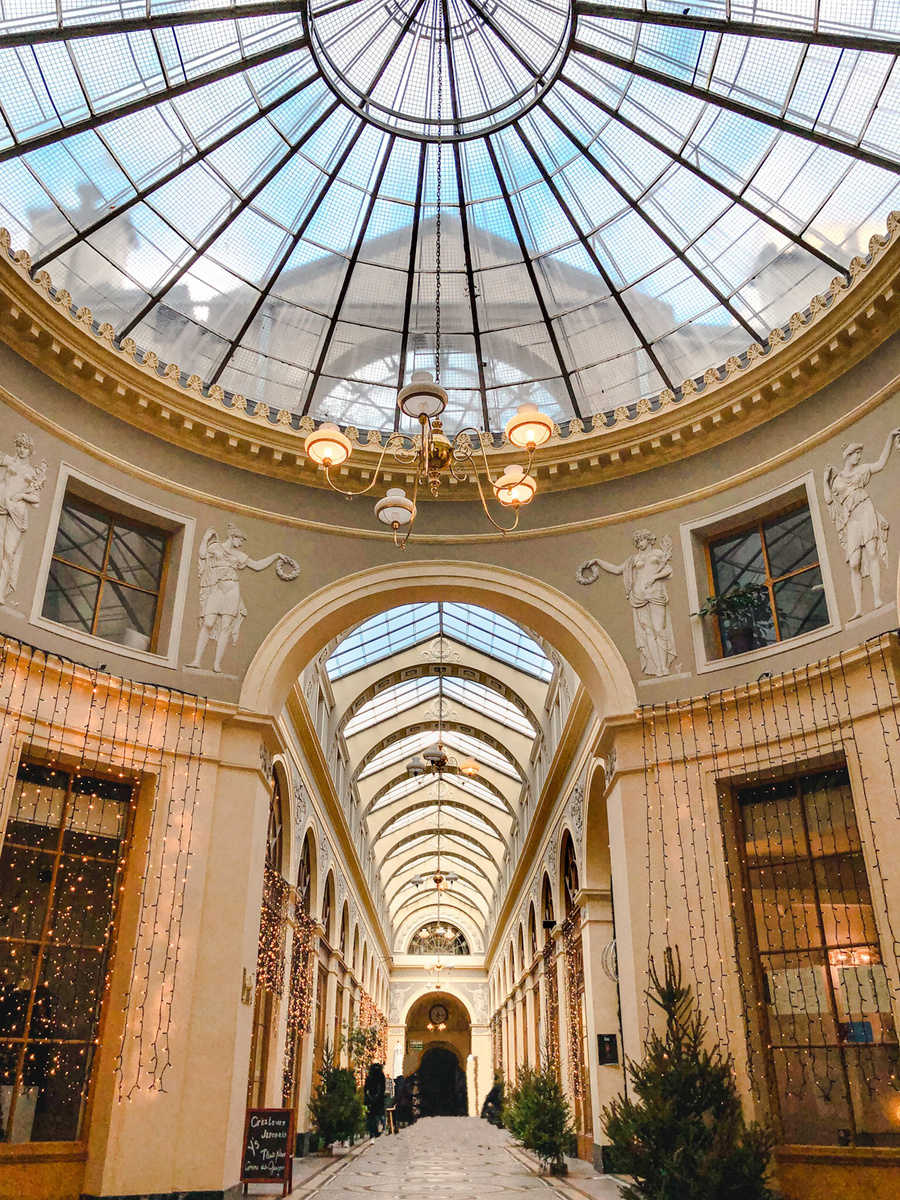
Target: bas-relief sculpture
(222, 609)
(644, 575)
(861, 529)
(20, 490)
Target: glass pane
(37, 808)
(800, 602)
(790, 543)
(770, 826)
(829, 814)
(72, 979)
(136, 557)
(126, 616)
(81, 537)
(83, 902)
(847, 914)
(61, 1073)
(25, 878)
(71, 597)
(737, 561)
(784, 906)
(814, 1103)
(17, 969)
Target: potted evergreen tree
(741, 613)
(537, 1113)
(683, 1136)
(336, 1109)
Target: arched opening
(438, 1042)
(270, 960)
(568, 875)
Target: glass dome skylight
(630, 194)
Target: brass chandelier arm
(487, 471)
(390, 444)
(400, 543)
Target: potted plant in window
(741, 612)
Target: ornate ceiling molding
(800, 358)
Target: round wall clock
(438, 1014)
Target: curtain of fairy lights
(270, 958)
(574, 976)
(65, 716)
(551, 997)
(301, 988)
(794, 781)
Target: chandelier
(430, 455)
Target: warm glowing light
(469, 767)
(327, 446)
(529, 427)
(395, 509)
(514, 488)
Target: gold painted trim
(814, 348)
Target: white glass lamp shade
(395, 509)
(514, 488)
(469, 767)
(434, 754)
(529, 427)
(422, 397)
(327, 446)
(416, 766)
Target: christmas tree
(683, 1136)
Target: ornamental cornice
(813, 348)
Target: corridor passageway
(451, 1158)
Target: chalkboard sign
(268, 1147)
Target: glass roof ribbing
(452, 739)
(410, 624)
(629, 194)
(405, 695)
(405, 787)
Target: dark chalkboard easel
(268, 1147)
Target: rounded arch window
(570, 886)
(548, 920)
(439, 937)
(328, 906)
(304, 878)
(275, 833)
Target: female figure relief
(20, 490)
(221, 608)
(862, 530)
(644, 575)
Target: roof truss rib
(532, 275)
(657, 229)
(410, 278)
(34, 36)
(695, 169)
(738, 106)
(220, 228)
(184, 164)
(589, 249)
(834, 38)
(294, 241)
(172, 92)
(348, 275)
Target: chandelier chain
(437, 223)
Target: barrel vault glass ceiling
(401, 680)
(631, 192)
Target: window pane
(830, 815)
(81, 537)
(136, 557)
(790, 543)
(126, 616)
(71, 597)
(37, 808)
(800, 602)
(737, 561)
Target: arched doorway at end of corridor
(438, 1043)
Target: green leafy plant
(744, 605)
(362, 1042)
(537, 1113)
(336, 1109)
(683, 1136)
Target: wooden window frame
(758, 523)
(114, 519)
(13, 1149)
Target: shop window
(60, 874)
(107, 575)
(770, 567)
(824, 995)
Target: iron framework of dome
(629, 195)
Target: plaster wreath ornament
(861, 529)
(644, 575)
(222, 610)
(21, 485)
